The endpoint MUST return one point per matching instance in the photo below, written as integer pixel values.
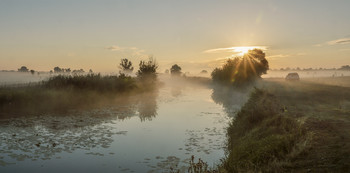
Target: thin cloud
(339, 41)
(127, 51)
(237, 49)
(279, 56)
(272, 57)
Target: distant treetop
(175, 69)
(23, 69)
(126, 66)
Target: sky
(196, 34)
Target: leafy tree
(147, 69)
(126, 66)
(57, 70)
(175, 70)
(23, 69)
(241, 71)
(32, 72)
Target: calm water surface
(146, 133)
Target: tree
(78, 71)
(344, 67)
(32, 72)
(204, 72)
(147, 69)
(175, 70)
(241, 71)
(57, 70)
(126, 66)
(23, 69)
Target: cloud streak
(273, 57)
(118, 48)
(339, 41)
(125, 51)
(237, 50)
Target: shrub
(148, 70)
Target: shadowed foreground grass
(260, 135)
(291, 126)
(62, 93)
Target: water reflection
(121, 136)
(147, 105)
(230, 98)
(42, 137)
(176, 91)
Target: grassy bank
(291, 127)
(62, 93)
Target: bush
(91, 81)
(148, 70)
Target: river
(150, 132)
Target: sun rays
(246, 65)
(237, 50)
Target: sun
(242, 50)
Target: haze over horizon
(196, 35)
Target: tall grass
(260, 135)
(64, 92)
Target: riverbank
(292, 126)
(65, 92)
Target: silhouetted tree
(23, 69)
(241, 71)
(57, 70)
(90, 71)
(126, 66)
(344, 67)
(78, 71)
(175, 70)
(204, 72)
(147, 69)
(32, 72)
